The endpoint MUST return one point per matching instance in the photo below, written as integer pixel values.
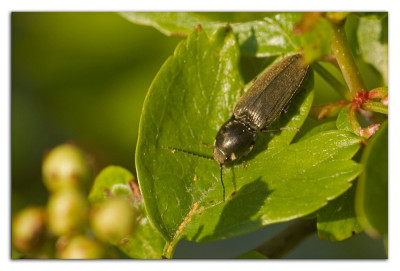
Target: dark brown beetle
(260, 106)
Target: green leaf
(371, 15)
(258, 33)
(343, 120)
(317, 42)
(145, 242)
(272, 36)
(251, 66)
(113, 180)
(190, 98)
(330, 125)
(171, 23)
(373, 43)
(337, 221)
(231, 17)
(372, 187)
(268, 36)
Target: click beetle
(258, 108)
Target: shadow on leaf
(241, 208)
(250, 45)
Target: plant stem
(344, 57)
(329, 78)
(287, 239)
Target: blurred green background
(82, 78)
(78, 77)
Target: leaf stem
(283, 242)
(343, 54)
(330, 79)
(366, 132)
(320, 112)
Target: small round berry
(66, 166)
(114, 219)
(29, 229)
(67, 212)
(82, 247)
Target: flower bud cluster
(68, 227)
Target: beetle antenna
(189, 152)
(280, 129)
(222, 182)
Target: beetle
(259, 107)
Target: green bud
(114, 219)
(29, 229)
(337, 17)
(81, 247)
(67, 212)
(66, 166)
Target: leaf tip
(199, 28)
(228, 27)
